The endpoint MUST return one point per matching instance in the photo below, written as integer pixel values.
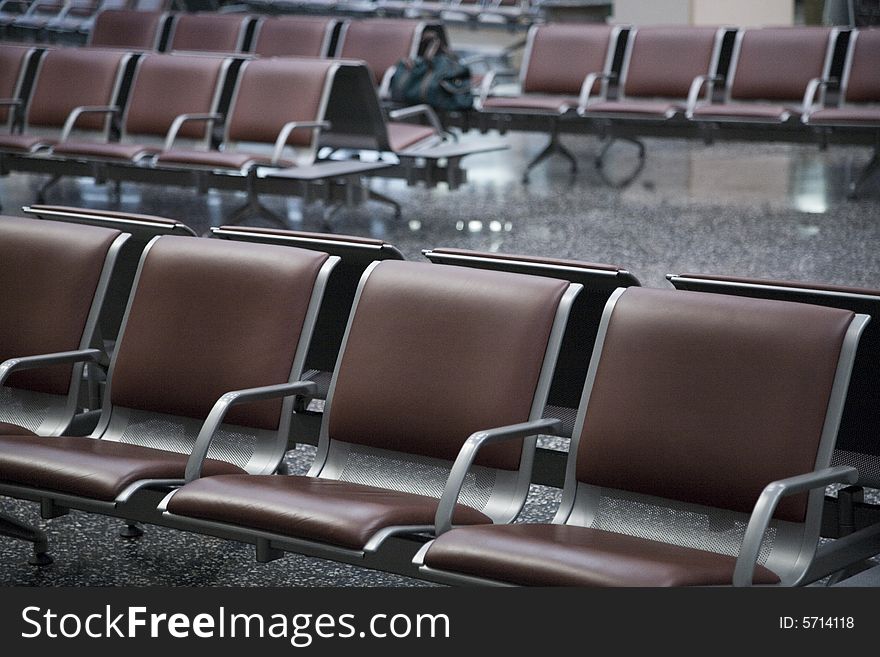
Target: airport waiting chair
(170, 96)
(14, 62)
(74, 89)
(128, 28)
(141, 230)
(858, 106)
(294, 36)
(382, 42)
(209, 356)
(77, 17)
(858, 439)
(209, 32)
(598, 282)
(55, 282)
(55, 279)
(276, 113)
(39, 14)
(659, 68)
(769, 76)
(700, 457)
(556, 64)
(355, 255)
(459, 351)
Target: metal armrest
(765, 507)
(385, 84)
(218, 413)
(488, 82)
(45, 360)
(178, 122)
(417, 110)
(449, 498)
(812, 89)
(287, 128)
(697, 86)
(587, 88)
(77, 112)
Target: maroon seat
(14, 60)
(859, 98)
(459, 350)
(704, 421)
(209, 32)
(769, 75)
(276, 114)
(381, 43)
(54, 285)
(164, 88)
(214, 337)
(294, 36)
(67, 80)
(127, 28)
(659, 68)
(556, 64)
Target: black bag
(435, 78)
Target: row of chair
(791, 83)
(387, 377)
(213, 121)
(55, 18)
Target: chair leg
(381, 198)
(41, 193)
(13, 528)
(607, 143)
(554, 146)
(866, 174)
(253, 206)
(131, 530)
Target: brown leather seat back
(778, 63)
(273, 92)
(72, 77)
(13, 59)
(380, 42)
(50, 272)
(126, 28)
(436, 353)
(209, 32)
(664, 61)
(562, 55)
(208, 317)
(863, 82)
(707, 398)
(166, 86)
(294, 36)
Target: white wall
(741, 13)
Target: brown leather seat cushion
(744, 112)
(403, 135)
(330, 511)
(218, 159)
(653, 109)
(564, 555)
(869, 116)
(531, 103)
(7, 429)
(115, 151)
(98, 469)
(24, 143)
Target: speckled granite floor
(775, 211)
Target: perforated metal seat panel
(171, 433)
(26, 408)
(686, 525)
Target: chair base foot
(131, 530)
(14, 528)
